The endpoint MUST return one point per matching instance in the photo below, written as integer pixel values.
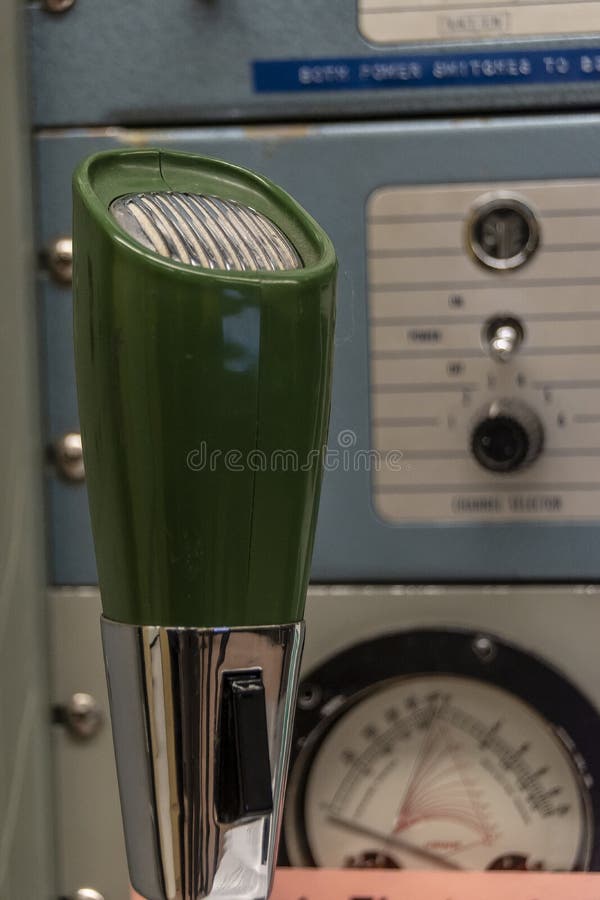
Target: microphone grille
(205, 231)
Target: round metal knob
(83, 717)
(88, 894)
(67, 456)
(60, 259)
(507, 436)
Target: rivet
(60, 260)
(67, 456)
(57, 6)
(83, 718)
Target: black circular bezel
(345, 679)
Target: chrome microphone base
(202, 722)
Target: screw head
(67, 456)
(309, 696)
(483, 648)
(60, 259)
(58, 6)
(83, 718)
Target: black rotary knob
(507, 436)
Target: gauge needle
(419, 758)
(393, 841)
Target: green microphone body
(204, 315)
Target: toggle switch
(503, 335)
(244, 773)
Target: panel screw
(483, 648)
(83, 719)
(67, 455)
(309, 696)
(57, 6)
(88, 894)
(59, 258)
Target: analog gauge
(443, 769)
(447, 772)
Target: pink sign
(322, 884)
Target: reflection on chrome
(188, 833)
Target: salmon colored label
(322, 884)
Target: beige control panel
(402, 21)
(484, 342)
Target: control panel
(464, 441)
(484, 332)
(230, 60)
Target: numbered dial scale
(442, 750)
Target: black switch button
(244, 771)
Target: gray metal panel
(548, 621)
(190, 61)
(71, 560)
(331, 170)
(26, 869)
(91, 850)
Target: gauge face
(442, 771)
(439, 771)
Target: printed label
(427, 70)
(406, 21)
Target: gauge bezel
(352, 674)
(489, 203)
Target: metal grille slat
(201, 230)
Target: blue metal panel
(332, 169)
(191, 61)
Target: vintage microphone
(204, 315)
